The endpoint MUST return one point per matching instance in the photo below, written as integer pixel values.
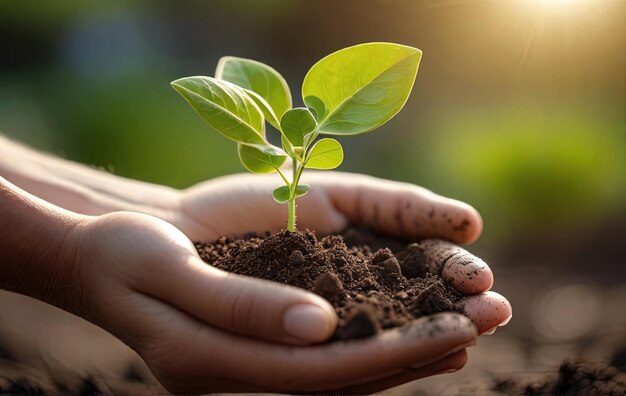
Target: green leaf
(316, 106)
(310, 137)
(302, 189)
(288, 147)
(359, 88)
(259, 78)
(295, 124)
(268, 112)
(261, 158)
(224, 106)
(283, 193)
(325, 154)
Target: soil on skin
(371, 289)
(572, 378)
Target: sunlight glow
(558, 3)
(552, 13)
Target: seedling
(349, 92)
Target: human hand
(203, 330)
(241, 203)
(336, 201)
(234, 205)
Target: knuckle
(438, 252)
(240, 308)
(136, 238)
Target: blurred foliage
(528, 168)
(130, 126)
(518, 106)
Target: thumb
(246, 306)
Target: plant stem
(283, 177)
(291, 204)
(291, 222)
(297, 169)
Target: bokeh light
(567, 312)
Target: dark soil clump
(572, 378)
(371, 290)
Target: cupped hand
(200, 329)
(203, 330)
(234, 205)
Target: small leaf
(327, 153)
(259, 78)
(282, 194)
(296, 123)
(261, 158)
(316, 106)
(359, 88)
(302, 189)
(224, 106)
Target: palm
(235, 205)
(170, 301)
(187, 320)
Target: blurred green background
(519, 108)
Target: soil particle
(413, 264)
(296, 257)
(372, 289)
(328, 286)
(391, 266)
(361, 324)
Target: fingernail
(450, 371)
(490, 331)
(306, 322)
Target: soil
(371, 287)
(366, 284)
(572, 378)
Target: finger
(488, 310)
(399, 209)
(242, 305)
(329, 366)
(185, 354)
(448, 364)
(466, 272)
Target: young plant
(352, 91)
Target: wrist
(37, 247)
(79, 188)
